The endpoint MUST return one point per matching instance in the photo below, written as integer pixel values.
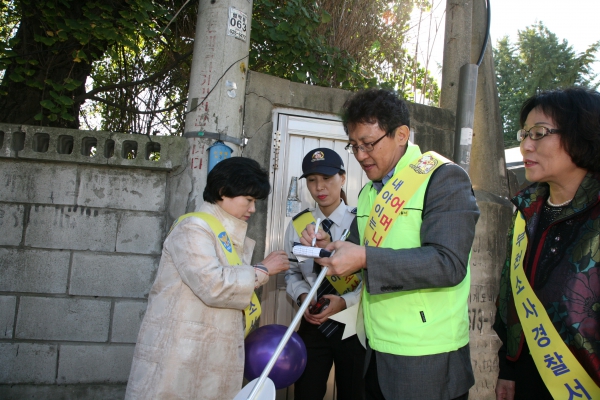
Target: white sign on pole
(237, 24)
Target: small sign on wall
(237, 24)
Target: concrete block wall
(82, 220)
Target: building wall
(80, 244)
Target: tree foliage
(144, 90)
(124, 65)
(48, 59)
(538, 61)
(350, 44)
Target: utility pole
(457, 49)
(215, 108)
(465, 29)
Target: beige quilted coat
(191, 342)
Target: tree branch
(135, 110)
(91, 94)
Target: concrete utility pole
(464, 36)
(457, 49)
(215, 107)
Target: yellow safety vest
(413, 322)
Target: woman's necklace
(551, 204)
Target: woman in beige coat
(191, 342)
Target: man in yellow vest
(412, 239)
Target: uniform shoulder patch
(300, 213)
(353, 211)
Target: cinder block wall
(82, 220)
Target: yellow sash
(393, 196)
(341, 284)
(253, 311)
(563, 375)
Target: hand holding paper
(346, 258)
(309, 252)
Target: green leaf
(70, 86)
(57, 87)
(65, 101)
(49, 104)
(147, 5)
(35, 84)
(48, 41)
(66, 116)
(150, 33)
(15, 77)
(284, 26)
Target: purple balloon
(260, 345)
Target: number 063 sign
(236, 25)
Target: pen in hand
(314, 241)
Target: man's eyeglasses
(366, 147)
(536, 132)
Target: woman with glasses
(548, 315)
(325, 176)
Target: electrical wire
(487, 33)
(175, 16)
(214, 87)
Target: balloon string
(290, 330)
(288, 334)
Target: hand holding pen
(314, 241)
(313, 236)
(346, 258)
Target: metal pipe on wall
(465, 108)
(465, 115)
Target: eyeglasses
(536, 132)
(366, 147)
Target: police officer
(325, 176)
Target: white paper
(353, 319)
(309, 252)
(466, 136)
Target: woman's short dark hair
(376, 105)
(236, 176)
(576, 113)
